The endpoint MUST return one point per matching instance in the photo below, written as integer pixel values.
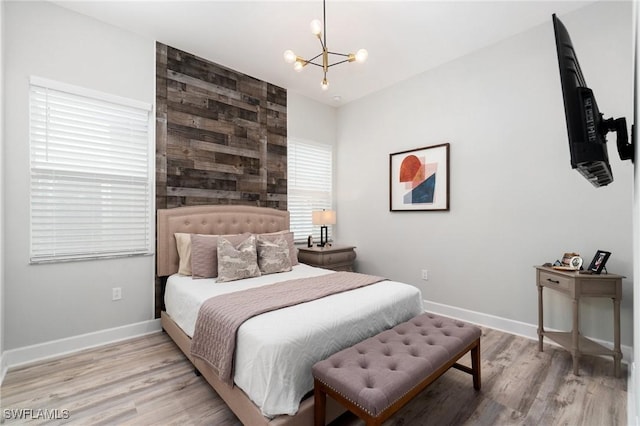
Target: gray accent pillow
(288, 236)
(204, 253)
(237, 262)
(273, 255)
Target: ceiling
(403, 38)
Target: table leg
(617, 353)
(540, 319)
(575, 336)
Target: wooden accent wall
(221, 136)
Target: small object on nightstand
(335, 257)
(310, 241)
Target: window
(91, 176)
(309, 183)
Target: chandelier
(317, 29)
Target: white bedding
(275, 350)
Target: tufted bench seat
(376, 377)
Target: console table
(577, 285)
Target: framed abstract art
(419, 179)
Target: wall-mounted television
(586, 127)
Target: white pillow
(183, 244)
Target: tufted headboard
(212, 220)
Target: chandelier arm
(337, 63)
(315, 57)
(339, 54)
(322, 44)
(313, 63)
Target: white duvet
(275, 350)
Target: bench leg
(319, 404)
(475, 365)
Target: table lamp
(324, 218)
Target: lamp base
(324, 236)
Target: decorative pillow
(288, 236)
(239, 262)
(273, 256)
(204, 253)
(183, 244)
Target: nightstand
(338, 258)
(577, 285)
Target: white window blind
(309, 185)
(91, 181)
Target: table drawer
(340, 257)
(553, 280)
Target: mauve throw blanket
(219, 318)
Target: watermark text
(34, 414)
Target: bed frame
(224, 220)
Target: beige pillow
(204, 253)
(273, 256)
(288, 236)
(237, 262)
(183, 244)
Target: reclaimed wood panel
(229, 126)
(221, 137)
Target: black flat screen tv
(586, 127)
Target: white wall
(49, 302)
(515, 201)
(2, 366)
(310, 120)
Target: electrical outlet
(425, 274)
(116, 293)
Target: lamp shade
(324, 217)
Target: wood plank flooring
(147, 381)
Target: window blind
(91, 181)
(310, 185)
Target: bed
(275, 350)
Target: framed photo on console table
(599, 260)
(419, 179)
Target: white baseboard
(529, 331)
(26, 355)
(3, 367)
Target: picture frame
(419, 179)
(598, 262)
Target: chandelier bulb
(289, 56)
(325, 84)
(362, 55)
(298, 65)
(316, 27)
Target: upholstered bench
(376, 377)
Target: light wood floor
(147, 381)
